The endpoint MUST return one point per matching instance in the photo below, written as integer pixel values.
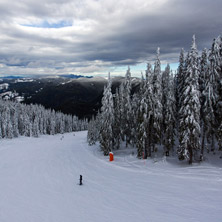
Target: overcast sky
(93, 37)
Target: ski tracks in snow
(39, 182)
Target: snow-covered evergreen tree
(180, 78)
(107, 120)
(169, 117)
(190, 109)
(216, 61)
(52, 120)
(121, 111)
(35, 127)
(139, 115)
(169, 110)
(92, 135)
(157, 98)
(203, 79)
(9, 127)
(127, 108)
(165, 90)
(211, 96)
(135, 107)
(14, 119)
(117, 121)
(149, 111)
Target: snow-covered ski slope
(39, 183)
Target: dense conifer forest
(34, 120)
(182, 112)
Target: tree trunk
(149, 145)
(146, 149)
(202, 144)
(191, 155)
(212, 143)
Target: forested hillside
(34, 120)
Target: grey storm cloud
(102, 34)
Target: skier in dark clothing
(80, 180)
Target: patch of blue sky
(46, 24)
(136, 70)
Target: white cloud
(115, 33)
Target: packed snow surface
(39, 183)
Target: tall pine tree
(107, 120)
(190, 109)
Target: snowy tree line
(34, 120)
(182, 112)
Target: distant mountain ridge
(70, 76)
(78, 96)
(73, 76)
(12, 77)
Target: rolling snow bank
(39, 183)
